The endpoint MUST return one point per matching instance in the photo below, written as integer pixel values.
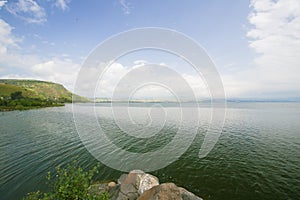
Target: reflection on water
(256, 157)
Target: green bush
(16, 95)
(19, 107)
(26, 102)
(3, 102)
(13, 103)
(70, 183)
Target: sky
(255, 44)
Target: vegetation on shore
(70, 183)
(25, 103)
(29, 94)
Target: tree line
(17, 101)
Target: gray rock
(142, 181)
(146, 182)
(127, 188)
(186, 195)
(168, 191)
(142, 186)
(122, 178)
(132, 185)
(123, 192)
(113, 192)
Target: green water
(256, 157)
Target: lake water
(256, 157)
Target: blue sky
(254, 44)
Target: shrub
(16, 95)
(70, 183)
(19, 107)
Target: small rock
(111, 184)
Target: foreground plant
(70, 183)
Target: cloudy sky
(255, 44)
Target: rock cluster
(142, 186)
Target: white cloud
(2, 3)
(198, 85)
(125, 6)
(17, 76)
(109, 81)
(29, 66)
(275, 36)
(27, 10)
(6, 37)
(140, 62)
(10, 49)
(62, 4)
(59, 70)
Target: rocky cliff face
(142, 186)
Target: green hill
(28, 92)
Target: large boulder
(142, 186)
(168, 191)
(132, 185)
(146, 182)
(186, 195)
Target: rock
(132, 185)
(111, 184)
(146, 182)
(186, 195)
(127, 191)
(113, 192)
(122, 178)
(142, 186)
(141, 180)
(127, 188)
(168, 191)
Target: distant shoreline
(205, 101)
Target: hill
(40, 93)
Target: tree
(16, 95)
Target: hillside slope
(35, 89)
